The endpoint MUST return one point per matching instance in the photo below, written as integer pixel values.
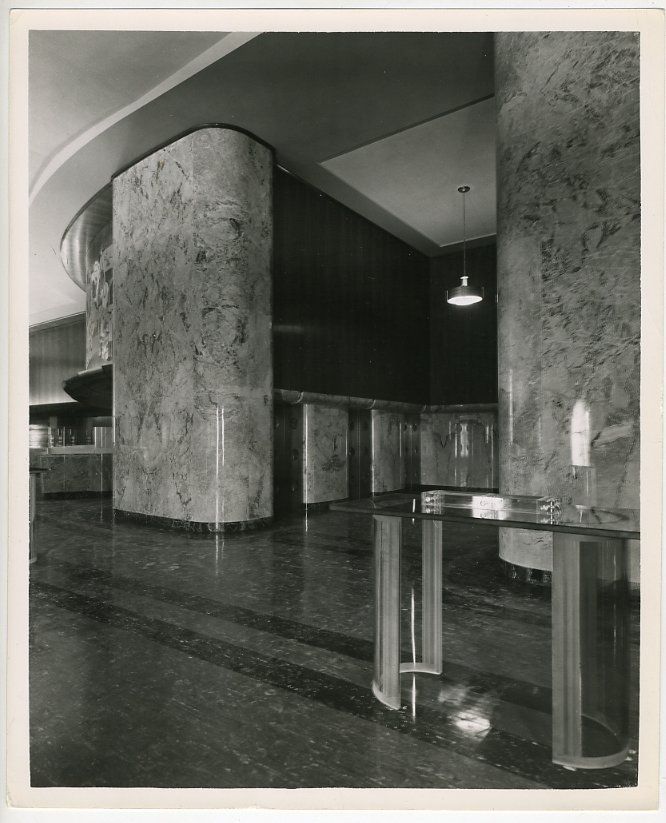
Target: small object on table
(436, 500)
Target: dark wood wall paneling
(356, 312)
(350, 305)
(463, 340)
(57, 351)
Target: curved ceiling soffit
(84, 234)
(74, 174)
(228, 43)
(88, 232)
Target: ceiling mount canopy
(464, 295)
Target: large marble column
(568, 269)
(192, 226)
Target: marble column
(192, 227)
(568, 248)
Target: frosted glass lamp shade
(464, 295)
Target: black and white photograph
(341, 345)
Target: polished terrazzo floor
(165, 659)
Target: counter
(74, 471)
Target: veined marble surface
(74, 473)
(568, 266)
(99, 306)
(192, 331)
(459, 449)
(324, 453)
(388, 465)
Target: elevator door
(359, 457)
(412, 450)
(288, 458)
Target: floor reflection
(161, 658)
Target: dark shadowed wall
(350, 313)
(356, 312)
(463, 340)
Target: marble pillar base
(193, 525)
(543, 578)
(322, 506)
(426, 487)
(535, 577)
(76, 495)
(531, 553)
(526, 549)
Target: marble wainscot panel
(388, 465)
(75, 474)
(568, 245)
(99, 303)
(54, 478)
(192, 227)
(324, 453)
(459, 449)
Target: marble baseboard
(543, 577)
(311, 508)
(426, 487)
(322, 506)
(75, 495)
(523, 574)
(194, 526)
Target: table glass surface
(594, 521)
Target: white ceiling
(79, 78)
(415, 174)
(388, 123)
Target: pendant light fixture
(464, 295)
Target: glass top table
(458, 507)
(589, 606)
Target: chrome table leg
(431, 626)
(590, 651)
(388, 544)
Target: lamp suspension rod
(463, 190)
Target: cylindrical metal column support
(590, 651)
(388, 545)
